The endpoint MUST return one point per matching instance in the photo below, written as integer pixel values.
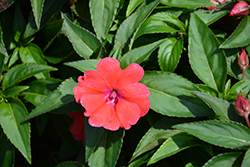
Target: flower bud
(243, 60)
(216, 3)
(240, 9)
(242, 106)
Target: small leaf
(128, 26)
(132, 5)
(226, 159)
(246, 160)
(174, 145)
(14, 90)
(169, 54)
(160, 23)
(83, 65)
(138, 55)
(63, 95)
(37, 8)
(19, 24)
(141, 159)
(208, 63)
(7, 151)
(102, 146)
(239, 37)
(102, 14)
(221, 133)
(176, 101)
(188, 3)
(22, 72)
(14, 57)
(33, 54)
(84, 42)
(12, 113)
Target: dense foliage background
(189, 54)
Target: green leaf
(240, 37)
(69, 164)
(12, 113)
(169, 54)
(102, 146)
(132, 5)
(138, 55)
(141, 159)
(31, 27)
(188, 3)
(83, 65)
(14, 90)
(14, 57)
(246, 160)
(226, 159)
(7, 151)
(39, 90)
(207, 61)
(129, 25)
(176, 101)
(84, 42)
(19, 24)
(37, 8)
(3, 53)
(62, 96)
(6, 5)
(174, 145)
(156, 135)
(33, 54)
(221, 133)
(102, 15)
(22, 72)
(161, 23)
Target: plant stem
(246, 118)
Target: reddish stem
(243, 74)
(246, 118)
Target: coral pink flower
(216, 3)
(77, 127)
(240, 9)
(112, 97)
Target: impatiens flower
(242, 107)
(77, 127)
(112, 97)
(216, 3)
(240, 9)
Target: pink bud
(243, 60)
(242, 106)
(216, 3)
(240, 9)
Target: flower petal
(110, 69)
(137, 90)
(114, 124)
(102, 115)
(80, 91)
(91, 102)
(143, 104)
(77, 127)
(128, 113)
(130, 75)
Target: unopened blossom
(242, 107)
(112, 97)
(240, 9)
(243, 60)
(77, 127)
(216, 2)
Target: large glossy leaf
(128, 26)
(14, 90)
(40, 89)
(207, 61)
(246, 160)
(188, 3)
(174, 145)
(170, 96)
(221, 133)
(240, 37)
(157, 134)
(83, 65)
(62, 96)
(102, 15)
(33, 54)
(227, 159)
(132, 5)
(84, 42)
(138, 55)
(160, 23)
(7, 151)
(22, 72)
(102, 146)
(169, 54)
(37, 8)
(12, 113)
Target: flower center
(112, 98)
